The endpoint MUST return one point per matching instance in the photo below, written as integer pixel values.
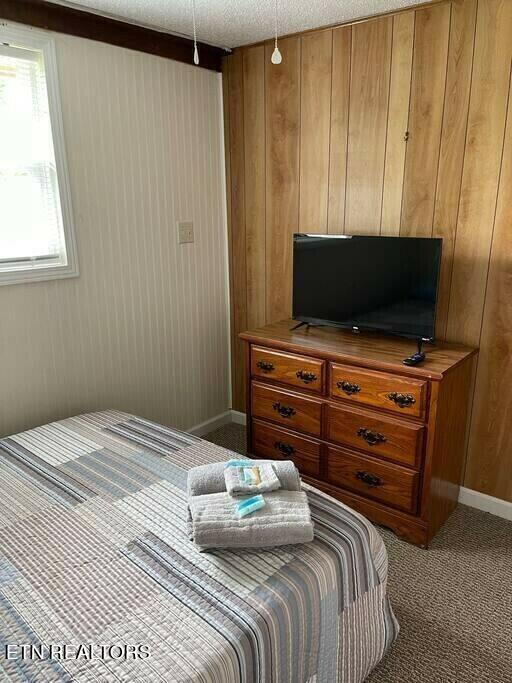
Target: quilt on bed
(99, 582)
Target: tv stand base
(417, 357)
(302, 324)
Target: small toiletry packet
(252, 475)
(251, 478)
(249, 505)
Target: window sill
(15, 277)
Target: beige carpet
(453, 601)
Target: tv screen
(365, 282)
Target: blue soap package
(249, 505)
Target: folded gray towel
(210, 478)
(237, 486)
(285, 519)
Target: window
(36, 231)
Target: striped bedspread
(98, 581)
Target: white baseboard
(474, 499)
(238, 417)
(481, 501)
(212, 424)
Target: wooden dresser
(387, 439)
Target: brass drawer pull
(368, 479)
(401, 400)
(372, 438)
(285, 448)
(348, 387)
(265, 365)
(306, 377)
(284, 411)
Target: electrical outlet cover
(185, 232)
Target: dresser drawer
(382, 437)
(390, 484)
(297, 371)
(379, 389)
(291, 410)
(276, 444)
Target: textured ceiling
(229, 23)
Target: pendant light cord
(275, 22)
(194, 21)
(196, 53)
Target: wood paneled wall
(399, 125)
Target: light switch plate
(185, 232)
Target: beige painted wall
(145, 326)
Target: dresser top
(364, 349)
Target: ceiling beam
(83, 24)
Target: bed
(99, 582)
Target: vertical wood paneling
(482, 164)
(431, 33)
(282, 118)
(144, 328)
(340, 98)
(238, 241)
(442, 73)
(398, 118)
(254, 148)
(369, 94)
(453, 139)
(489, 468)
(315, 114)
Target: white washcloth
(237, 484)
(210, 478)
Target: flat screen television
(386, 284)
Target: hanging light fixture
(276, 55)
(196, 51)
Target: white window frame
(15, 35)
